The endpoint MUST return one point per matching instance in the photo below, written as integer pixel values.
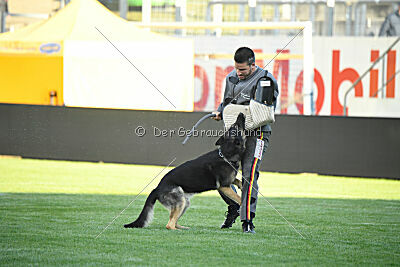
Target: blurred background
(340, 44)
(332, 17)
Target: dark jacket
(391, 25)
(238, 91)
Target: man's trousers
(251, 161)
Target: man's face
(243, 70)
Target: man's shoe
(231, 215)
(248, 227)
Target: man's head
(244, 62)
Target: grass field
(51, 212)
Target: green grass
(51, 212)
(39, 176)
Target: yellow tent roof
(84, 20)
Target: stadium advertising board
(338, 62)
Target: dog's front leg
(227, 191)
(238, 183)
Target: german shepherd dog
(210, 171)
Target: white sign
(258, 153)
(338, 62)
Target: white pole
(3, 16)
(308, 69)
(182, 8)
(146, 11)
(123, 8)
(217, 18)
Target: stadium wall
(366, 147)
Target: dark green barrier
(368, 147)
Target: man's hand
(217, 115)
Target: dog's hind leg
(175, 200)
(176, 212)
(187, 204)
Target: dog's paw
(181, 227)
(169, 227)
(238, 183)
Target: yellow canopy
(72, 23)
(67, 59)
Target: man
(391, 25)
(239, 84)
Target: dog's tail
(146, 216)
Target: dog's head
(232, 143)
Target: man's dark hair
(244, 55)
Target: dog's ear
(219, 141)
(240, 121)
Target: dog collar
(223, 157)
(220, 153)
(233, 164)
